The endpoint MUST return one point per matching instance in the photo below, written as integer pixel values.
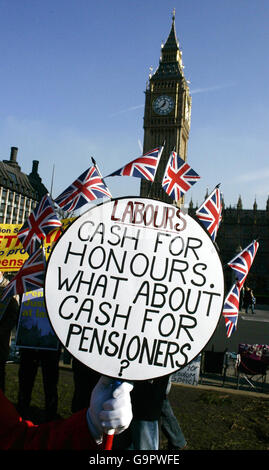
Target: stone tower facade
(167, 112)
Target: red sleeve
(16, 433)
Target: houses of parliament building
(167, 117)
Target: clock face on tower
(163, 104)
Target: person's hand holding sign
(110, 408)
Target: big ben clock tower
(167, 112)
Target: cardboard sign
(190, 374)
(12, 253)
(134, 288)
(34, 329)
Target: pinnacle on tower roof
(170, 65)
(172, 41)
(239, 203)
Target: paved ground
(251, 329)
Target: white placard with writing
(189, 374)
(134, 288)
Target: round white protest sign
(134, 288)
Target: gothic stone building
(238, 229)
(19, 193)
(167, 118)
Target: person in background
(30, 360)
(253, 302)
(249, 300)
(8, 320)
(109, 408)
(84, 380)
(170, 426)
(147, 398)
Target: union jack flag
(241, 263)
(178, 177)
(230, 309)
(87, 187)
(40, 222)
(30, 277)
(142, 167)
(209, 213)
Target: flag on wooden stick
(242, 263)
(30, 277)
(178, 177)
(231, 309)
(209, 213)
(40, 222)
(87, 187)
(144, 167)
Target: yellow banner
(12, 253)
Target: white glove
(110, 408)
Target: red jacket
(17, 434)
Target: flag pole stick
(97, 169)
(160, 154)
(43, 248)
(150, 188)
(52, 180)
(108, 439)
(95, 164)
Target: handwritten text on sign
(134, 288)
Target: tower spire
(171, 57)
(167, 110)
(172, 41)
(174, 15)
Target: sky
(74, 73)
